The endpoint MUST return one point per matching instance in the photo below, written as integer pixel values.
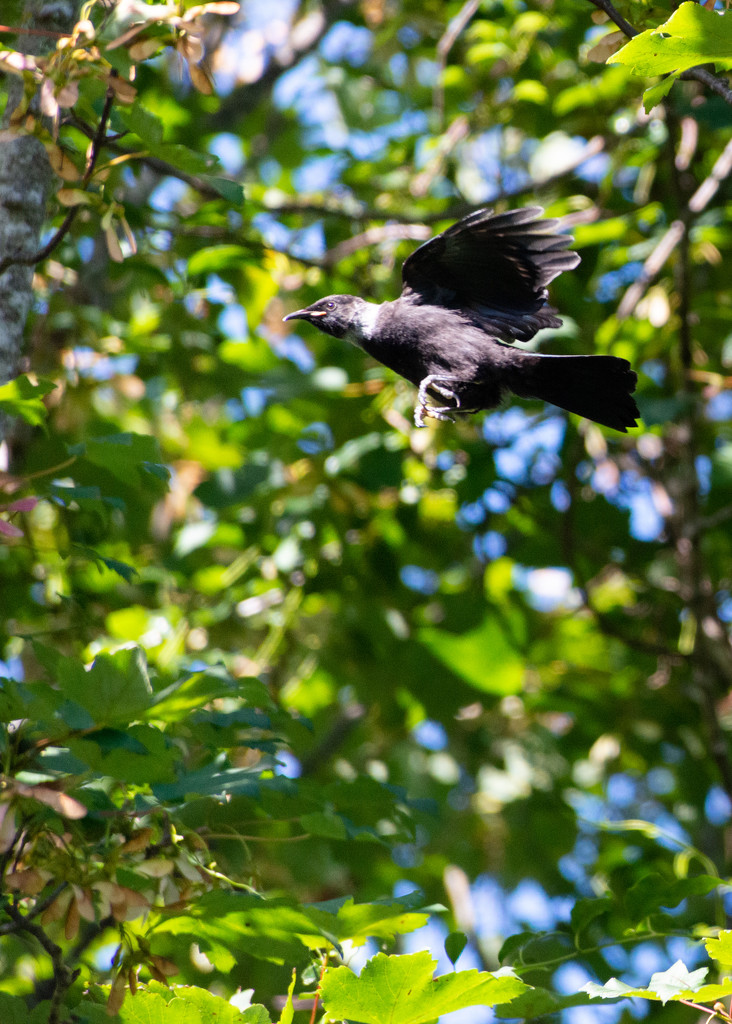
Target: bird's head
(337, 315)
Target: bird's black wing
(495, 268)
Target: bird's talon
(441, 412)
(437, 384)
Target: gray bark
(25, 181)
(25, 177)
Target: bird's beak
(304, 314)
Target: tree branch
(710, 650)
(444, 45)
(63, 975)
(616, 17)
(698, 74)
(676, 232)
(375, 236)
(712, 81)
(153, 162)
(355, 210)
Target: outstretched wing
(495, 268)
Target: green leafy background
(288, 683)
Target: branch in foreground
(699, 74)
(616, 17)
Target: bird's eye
(330, 305)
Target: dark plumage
(466, 292)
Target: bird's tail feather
(597, 387)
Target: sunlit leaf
(21, 397)
(402, 988)
(692, 35)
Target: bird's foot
(436, 383)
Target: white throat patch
(365, 319)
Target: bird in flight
(468, 294)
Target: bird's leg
(437, 383)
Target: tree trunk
(25, 179)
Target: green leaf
(254, 1014)
(125, 571)
(117, 686)
(674, 984)
(539, 1002)
(12, 700)
(692, 35)
(184, 158)
(21, 397)
(380, 919)
(653, 891)
(186, 1004)
(214, 258)
(511, 950)
(194, 691)
(585, 911)
(288, 1010)
(226, 924)
(229, 190)
(720, 948)
(215, 780)
(13, 1010)
(69, 492)
(653, 96)
(402, 990)
(115, 689)
(465, 654)
(140, 754)
(132, 458)
(143, 123)
(455, 943)
(322, 823)
(676, 980)
(230, 487)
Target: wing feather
(495, 268)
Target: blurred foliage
(286, 678)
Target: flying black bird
(466, 292)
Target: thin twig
(375, 236)
(709, 187)
(63, 975)
(458, 130)
(616, 17)
(651, 267)
(44, 904)
(323, 965)
(676, 232)
(10, 852)
(444, 45)
(722, 515)
(18, 31)
(713, 82)
(361, 212)
(342, 726)
(153, 162)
